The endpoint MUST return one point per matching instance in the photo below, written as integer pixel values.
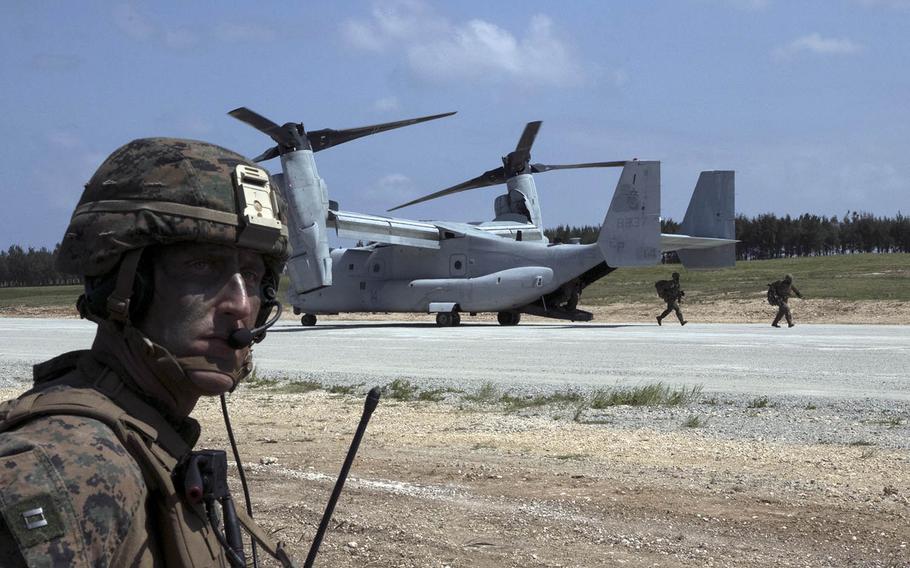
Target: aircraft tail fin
(630, 234)
(710, 217)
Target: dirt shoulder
(448, 485)
(462, 485)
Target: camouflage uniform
(782, 290)
(87, 456)
(670, 292)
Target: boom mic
(243, 337)
(240, 338)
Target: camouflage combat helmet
(675, 276)
(161, 191)
(788, 278)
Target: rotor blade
(326, 138)
(491, 177)
(272, 152)
(540, 168)
(260, 123)
(527, 137)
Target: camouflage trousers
(783, 311)
(672, 306)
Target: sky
(806, 100)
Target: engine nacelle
(310, 264)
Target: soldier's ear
(93, 303)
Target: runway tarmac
(842, 361)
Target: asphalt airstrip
(837, 361)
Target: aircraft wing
(510, 229)
(384, 229)
(670, 242)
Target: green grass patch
(562, 397)
(297, 387)
(343, 389)
(760, 402)
(655, 394)
(841, 277)
(255, 382)
(867, 453)
(567, 457)
(435, 395)
(41, 296)
(889, 421)
(579, 417)
(281, 386)
(400, 389)
(487, 392)
(695, 421)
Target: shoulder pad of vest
(56, 367)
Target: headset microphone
(240, 338)
(243, 337)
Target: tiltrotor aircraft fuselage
(505, 266)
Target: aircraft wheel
(456, 318)
(308, 320)
(444, 319)
(508, 318)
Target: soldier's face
(202, 293)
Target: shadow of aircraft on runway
(427, 325)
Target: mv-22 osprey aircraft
(505, 266)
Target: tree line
(31, 267)
(763, 236)
(769, 236)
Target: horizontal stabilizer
(671, 241)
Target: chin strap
(199, 363)
(156, 365)
(118, 303)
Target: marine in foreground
(180, 244)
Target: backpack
(664, 289)
(773, 298)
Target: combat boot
(683, 322)
(775, 324)
(658, 321)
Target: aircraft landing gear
(446, 319)
(508, 318)
(308, 320)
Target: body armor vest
(184, 536)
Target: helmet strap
(118, 303)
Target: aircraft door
(458, 265)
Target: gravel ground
(464, 484)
